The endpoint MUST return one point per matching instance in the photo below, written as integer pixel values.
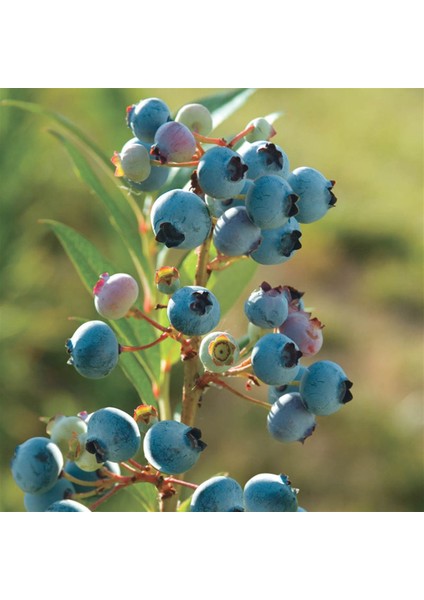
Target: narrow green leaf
(184, 506)
(146, 495)
(60, 120)
(141, 368)
(123, 217)
(228, 285)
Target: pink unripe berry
(305, 331)
(115, 294)
(174, 142)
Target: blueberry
(270, 202)
(221, 173)
(235, 234)
(61, 490)
(112, 435)
(172, 447)
(267, 307)
(275, 359)
(289, 420)
(325, 388)
(93, 349)
(67, 506)
(278, 245)
(314, 191)
(270, 493)
(304, 330)
(218, 494)
(36, 465)
(73, 469)
(115, 294)
(173, 142)
(218, 351)
(193, 310)
(133, 161)
(275, 391)
(265, 158)
(196, 117)
(145, 118)
(180, 219)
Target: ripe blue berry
(180, 219)
(93, 349)
(193, 310)
(289, 420)
(218, 351)
(314, 191)
(218, 494)
(115, 294)
(267, 307)
(172, 447)
(265, 158)
(36, 465)
(278, 245)
(235, 234)
(174, 142)
(67, 506)
(112, 435)
(270, 493)
(275, 359)
(270, 202)
(145, 118)
(221, 173)
(61, 490)
(196, 117)
(325, 388)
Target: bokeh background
(361, 268)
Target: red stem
(163, 337)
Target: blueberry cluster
(242, 200)
(78, 457)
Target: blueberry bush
(197, 215)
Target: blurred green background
(361, 269)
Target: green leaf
(184, 506)
(228, 285)
(224, 104)
(141, 368)
(60, 120)
(146, 495)
(122, 214)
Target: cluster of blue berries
(242, 200)
(76, 459)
